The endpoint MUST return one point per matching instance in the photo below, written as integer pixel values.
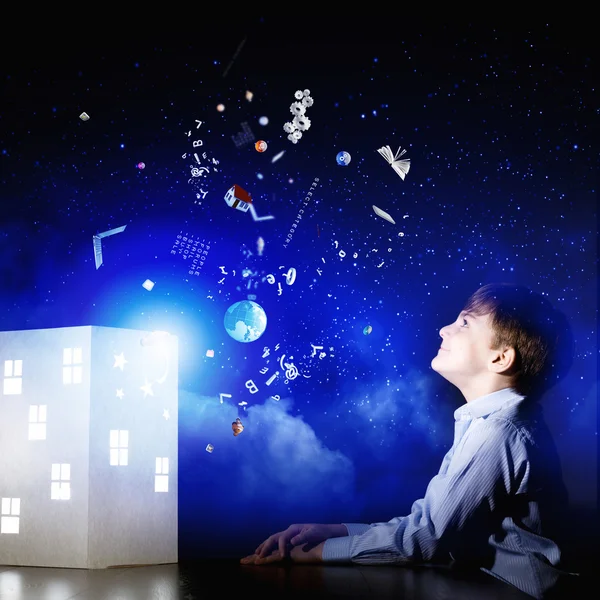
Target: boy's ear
(504, 360)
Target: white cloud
(277, 455)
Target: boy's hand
(297, 535)
(308, 553)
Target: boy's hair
(527, 322)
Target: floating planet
(367, 330)
(245, 321)
(141, 166)
(260, 146)
(263, 121)
(220, 107)
(343, 158)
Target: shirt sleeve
(485, 469)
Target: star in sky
(147, 389)
(120, 394)
(120, 361)
(166, 414)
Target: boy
(490, 505)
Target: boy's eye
(464, 323)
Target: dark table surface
(340, 581)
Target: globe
(245, 321)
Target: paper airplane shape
(98, 243)
(383, 215)
(400, 166)
(252, 211)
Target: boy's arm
(481, 475)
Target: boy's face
(465, 355)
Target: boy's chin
(435, 366)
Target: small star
(147, 389)
(120, 394)
(119, 361)
(166, 414)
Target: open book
(400, 166)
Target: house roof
(241, 194)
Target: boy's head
(505, 336)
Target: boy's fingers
(273, 557)
(265, 547)
(283, 546)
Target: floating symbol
(290, 276)
(221, 396)
(343, 158)
(256, 217)
(272, 378)
(195, 172)
(97, 239)
(84, 116)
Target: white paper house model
(88, 447)
(238, 198)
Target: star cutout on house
(147, 389)
(120, 394)
(120, 361)
(166, 414)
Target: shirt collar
(485, 405)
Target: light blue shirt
(484, 508)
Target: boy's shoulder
(524, 419)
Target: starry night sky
(497, 124)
